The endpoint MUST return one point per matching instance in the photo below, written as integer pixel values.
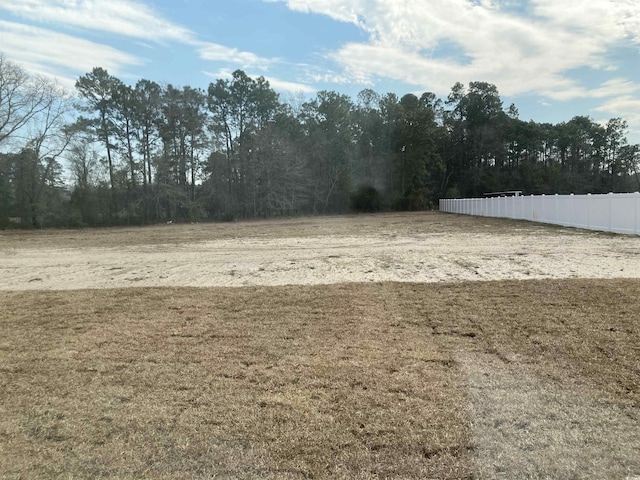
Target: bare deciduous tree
(22, 97)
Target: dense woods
(116, 154)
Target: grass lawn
(381, 380)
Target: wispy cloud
(614, 87)
(220, 53)
(626, 107)
(291, 87)
(608, 20)
(521, 54)
(32, 47)
(122, 17)
(128, 18)
(313, 74)
(222, 74)
(275, 83)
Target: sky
(554, 59)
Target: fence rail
(613, 212)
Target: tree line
(148, 152)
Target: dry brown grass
(341, 381)
(400, 224)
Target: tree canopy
(147, 152)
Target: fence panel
(599, 212)
(581, 211)
(623, 213)
(613, 212)
(564, 210)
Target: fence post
(533, 208)
(610, 199)
(636, 227)
(573, 211)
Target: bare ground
(423, 247)
(508, 379)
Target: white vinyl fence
(613, 212)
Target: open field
(365, 379)
(421, 247)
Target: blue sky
(553, 58)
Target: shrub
(366, 199)
(228, 217)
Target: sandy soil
(420, 247)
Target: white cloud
(615, 20)
(521, 53)
(332, 77)
(615, 87)
(122, 17)
(220, 53)
(363, 62)
(222, 74)
(127, 18)
(291, 87)
(624, 106)
(51, 53)
(628, 108)
(336, 9)
(275, 83)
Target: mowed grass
(338, 381)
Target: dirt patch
(418, 247)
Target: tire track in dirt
(323, 260)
